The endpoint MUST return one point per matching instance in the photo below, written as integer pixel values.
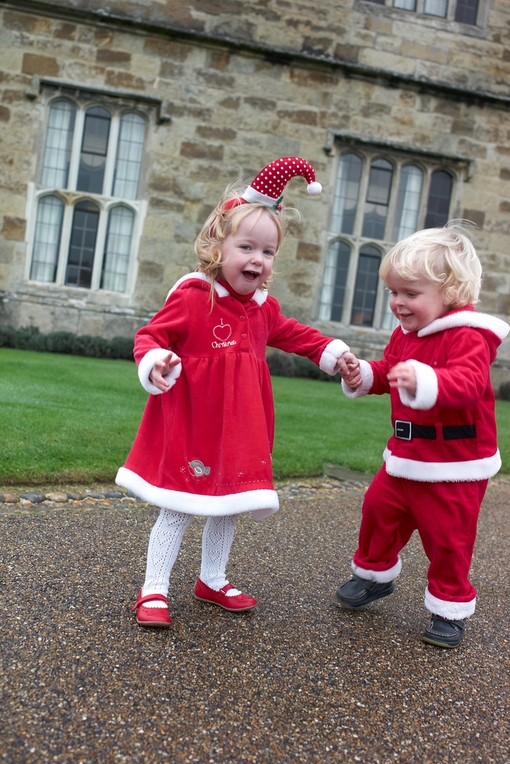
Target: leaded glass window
(380, 198)
(88, 201)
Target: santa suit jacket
(454, 399)
(204, 447)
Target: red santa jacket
(447, 431)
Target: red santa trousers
(444, 514)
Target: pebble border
(16, 501)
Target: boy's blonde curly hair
(222, 222)
(445, 256)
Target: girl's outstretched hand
(403, 375)
(348, 366)
(161, 368)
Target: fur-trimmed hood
(467, 316)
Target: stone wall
(240, 84)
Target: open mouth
(251, 275)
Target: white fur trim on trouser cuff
(330, 356)
(426, 387)
(379, 576)
(260, 502)
(367, 380)
(147, 364)
(453, 611)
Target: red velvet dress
(204, 447)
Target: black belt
(408, 431)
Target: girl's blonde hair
(443, 255)
(222, 222)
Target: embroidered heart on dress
(222, 331)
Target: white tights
(165, 541)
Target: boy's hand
(403, 375)
(161, 368)
(349, 368)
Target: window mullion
(393, 201)
(139, 209)
(379, 302)
(64, 244)
(350, 282)
(363, 189)
(111, 155)
(99, 251)
(355, 240)
(76, 149)
(424, 197)
(30, 215)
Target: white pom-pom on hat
(314, 188)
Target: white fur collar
(467, 318)
(259, 297)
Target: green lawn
(72, 419)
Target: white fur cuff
(147, 364)
(367, 380)
(330, 356)
(379, 576)
(426, 387)
(453, 611)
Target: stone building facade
(121, 123)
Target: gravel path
(297, 680)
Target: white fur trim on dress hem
(330, 356)
(379, 576)
(261, 503)
(147, 364)
(442, 472)
(453, 611)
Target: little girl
(444, 448)
(204, 444)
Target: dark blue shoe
(444, 633)
(359, 592)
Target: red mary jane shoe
(159, 617)
(236, 602)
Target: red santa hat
(267, 187)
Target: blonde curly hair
(445, 256)
(225, 220)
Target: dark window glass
(93, 151)
(379, 2)
(82, 246)
(438, 204)
(365, 290)
(378, 197)
(466, 11)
